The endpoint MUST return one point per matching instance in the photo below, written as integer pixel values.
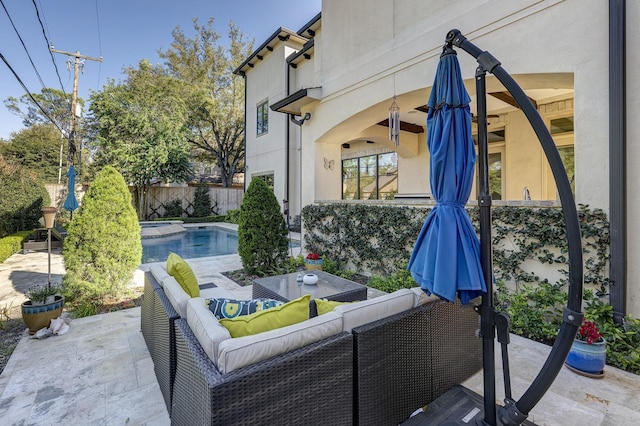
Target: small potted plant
(588, 353)
(45, 303)
(313, 261)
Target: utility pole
(74, 100)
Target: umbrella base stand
(459, 406)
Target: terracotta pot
(589, 358)
(40, 316)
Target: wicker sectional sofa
(372, 362)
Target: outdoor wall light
(346, 146)
(49, 214)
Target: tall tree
(35, 148)
(56, 104)
(139, 128)
(215, 96)
(56, 111)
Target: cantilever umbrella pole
(516, 413)
(487, 312)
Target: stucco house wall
(369, 51)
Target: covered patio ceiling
(371, 123)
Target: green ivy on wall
(369, 238)
(379, 239)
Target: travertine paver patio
(100, 372)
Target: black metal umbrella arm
(516, 412)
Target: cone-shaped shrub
(262, 231)
(102, 248)
(201, 201)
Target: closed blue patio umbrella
(446, 256)
(70, 203)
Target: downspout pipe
(514, 413)
(244, 76)
(617, 159)
(287, 148)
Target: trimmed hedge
(23, 197)
(205, 219)
(12, 244)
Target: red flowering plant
(314, 256)
(588, 332)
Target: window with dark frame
(262, 121)
(370, 177)
(268, 179)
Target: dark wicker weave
(312, 385)
(164, 362)
(147, 307)
(156, 318)
(405, 361)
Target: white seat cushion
(366, 311)
(242, 351)
(205, 327)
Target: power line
(99, 45)
(48, 46)
(45, 18)
(23, 45)
(29, 93)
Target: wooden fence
(222, 199)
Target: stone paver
(100, 372)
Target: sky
(122, 32)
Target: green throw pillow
(323, 306)
(281, 316)
(182, 272)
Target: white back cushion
(205, 327)
(176, 295)
(242, 351)
(159, 272)
(360, 313)
(421, 297)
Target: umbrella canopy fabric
(446, 257)
(70, 203)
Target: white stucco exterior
(366, 51)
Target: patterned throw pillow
(230, 308)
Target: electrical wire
(23, 45)
(44, 18)
(29, 93)
(99, 46)
(49, 45)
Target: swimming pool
(195, 242)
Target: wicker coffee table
(331, 287)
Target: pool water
(196, 242)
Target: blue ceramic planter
(313, 264)
(589, 358)
(40, 316)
